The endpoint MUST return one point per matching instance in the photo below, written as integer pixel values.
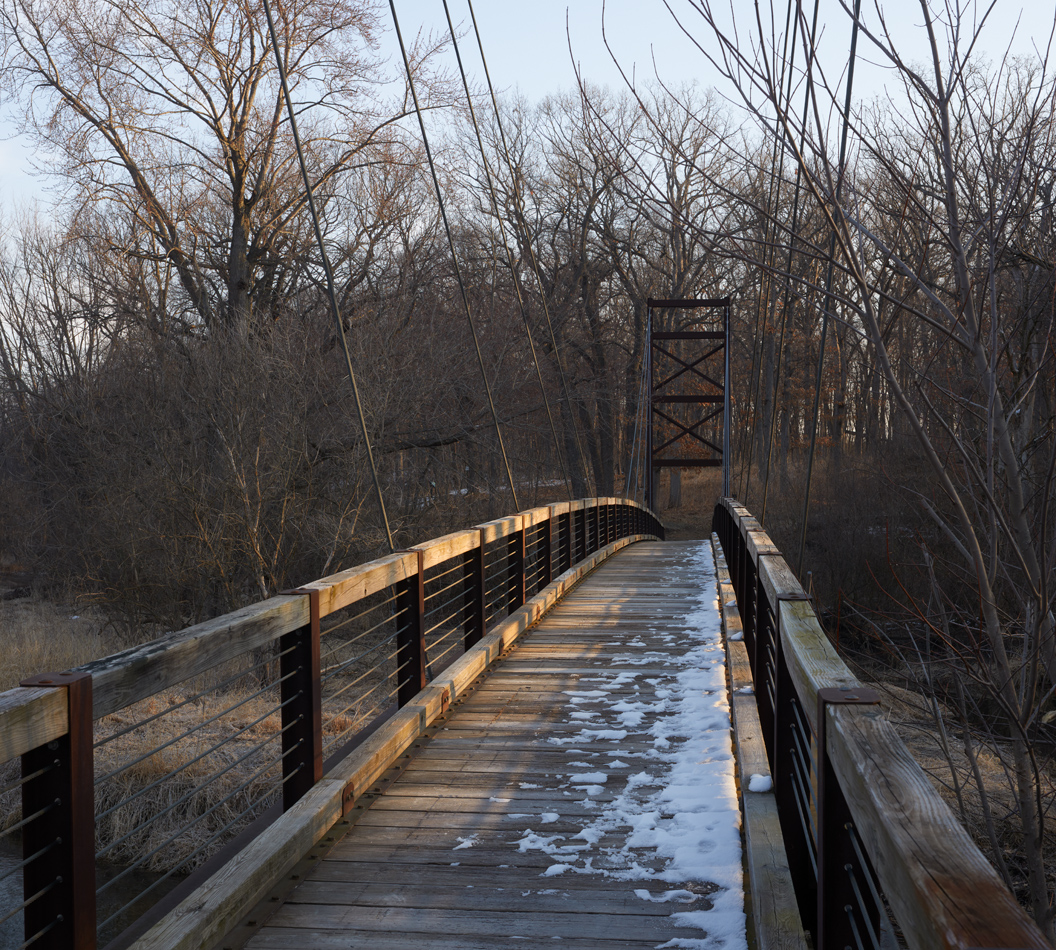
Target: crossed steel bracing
(676, 377)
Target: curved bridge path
(582, 796)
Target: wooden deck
(509, 826)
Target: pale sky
(528, 48)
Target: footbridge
(551, 729)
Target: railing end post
(64, 773)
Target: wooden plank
(494, 784)
(412, 921)
(441, 875)
(349, 587)
(499, 528)
(449, 895)
(759, 544)
(447, 547)
(216, 908)
(30, 717)
(812, 662)
(778, 580)
(942, 890)
(534, 516)
(297, 938)
(465, 803)
(545, 763)
(134, 674)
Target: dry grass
(192, 766)
(41, 637)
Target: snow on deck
(582, 796)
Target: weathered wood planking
(942, 891)
(775, 911)
(449, 546)
(812, 661)
(404, 875)
(212, 911)
(29, 717)
(127, 677)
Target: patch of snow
(678, 820)
(760, 783)
(589, 778)
(682, 896)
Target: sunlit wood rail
(323, 691)
(278, 695)
(515, 818)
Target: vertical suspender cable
(635, 467)
(786, 300)
(531, 257)
(509, 253)
(828, 291)
(726, 380)
(650, 488)
(454, 255)
(769, 250)
(334, 309)
(773, 203)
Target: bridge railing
(178, 754)
(866, 834)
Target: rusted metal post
(516, 562)
(546, 542)
(410, 637)
(301, 695)
(60, 791)
(475, 624)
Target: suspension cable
(786, 297)
(770, 253)
(334, 309)
(636, 453)
(509, 253)
(828, 290)
(454, 255)
(583, 467)
(763, 306)
(777, 181)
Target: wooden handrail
(942, 891)
(34, 717)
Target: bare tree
(943, 236)
(174, 114)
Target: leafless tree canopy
(175, 424)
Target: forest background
(176, 427)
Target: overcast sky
(527, 44)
